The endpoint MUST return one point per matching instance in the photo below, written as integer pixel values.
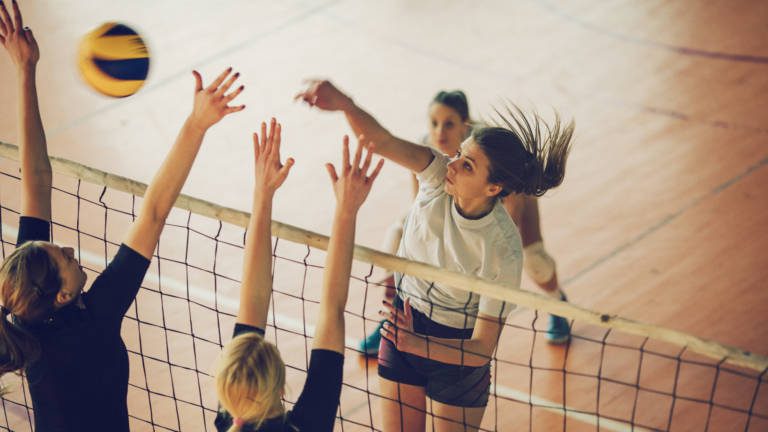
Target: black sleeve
(31, 229)
(319, 400)
(114, 289)
(241, 328)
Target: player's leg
(541, 267)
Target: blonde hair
(250, 380)
(29, 281)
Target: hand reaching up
(212, 102)
(324, 95)
(270, 172)
(17, 39)
(353, 184)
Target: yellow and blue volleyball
(114, 60)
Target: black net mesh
(185, 312)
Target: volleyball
(114, 60)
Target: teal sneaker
(559, 331)
(370, 345)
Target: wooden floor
(663, 214)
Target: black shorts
(463, 386)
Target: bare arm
(210, 107)
(351, 188)
(324, 95)
(36, 174)
(476, 351)
(257, 264)
(514, 204)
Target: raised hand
(17, 39)
(324, 95)
(270, 172)
(354, 183)
(212, 102)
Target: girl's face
(70, 271)
(446, 128)
(467, 176)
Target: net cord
(728, 354)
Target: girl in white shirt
(449, 126)
(439, 341)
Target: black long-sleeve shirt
(80, 381)
(315, 410)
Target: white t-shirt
(435, 233)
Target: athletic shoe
(370, 345)
(559, 331)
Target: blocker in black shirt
(316, 408)
(80, 382)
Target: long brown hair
(522, 160)
(29, 282)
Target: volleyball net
(615, 375)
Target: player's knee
(539, 265)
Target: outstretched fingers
(198, 81)
(30, 36)
(358, 156)
(6, 25)
(221, 90)
(219, 79)
(234, 109)
(332, 172)
(272, 131)
(366, 161)
(376, 171)
(283, 173)
(345, 156)
(17, 20)
(228, 98)
(277, 139)
(256, 146)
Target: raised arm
(324, 95)
(210, 106)
(475, 352)
(257, 264)
(36, 175)
(351, 188)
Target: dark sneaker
(559, 331)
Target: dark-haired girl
(449, 126)
(439, 340)
(65, 338)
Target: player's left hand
(17, 39)
(212, 102)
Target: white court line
(206, 295)
(545, 404)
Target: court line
(545, 404)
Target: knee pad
(539, 265)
